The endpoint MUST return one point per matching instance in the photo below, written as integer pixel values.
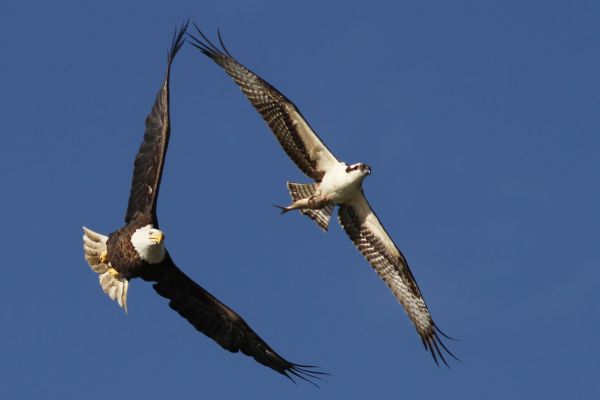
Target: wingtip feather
(432, 345)
(305, 373)
(178, 40)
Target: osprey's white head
(149, 244)
(359, 168)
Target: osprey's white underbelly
(340, 186)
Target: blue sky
(480, 121)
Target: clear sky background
(480, 120)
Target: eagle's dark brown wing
(149, 162)
(217, 321)
(292, 131)
(370, 237)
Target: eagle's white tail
(300, 191)
(94, 247)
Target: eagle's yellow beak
(157, 236)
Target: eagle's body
(122, 255)
(137, 250)
(335, 184)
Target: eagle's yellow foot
(104, 257)
(112, 272)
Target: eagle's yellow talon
(112, 272)
(104, 257)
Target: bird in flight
(137, 250)
(336, 183)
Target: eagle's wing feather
(370, 237)
(292, 131)
(149, 162)
(219, 322)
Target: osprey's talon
(104, 257)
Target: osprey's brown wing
(370, 237)
(292, 131)
(149, 162)
(217, 321)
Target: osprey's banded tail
(94, 248)
(300, 191)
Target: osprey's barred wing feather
(219, 322)
(292, 131)
(370, 237)
(149, 162)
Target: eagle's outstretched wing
(149, 162)
(370, 237)
(217, 321)
(292, 131)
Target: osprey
(137, 250)
(335, 184)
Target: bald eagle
(335, 184)
(137, 250)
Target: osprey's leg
(317, 202)
(314, 202)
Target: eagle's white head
(149, 244)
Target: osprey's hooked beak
(157, 236)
